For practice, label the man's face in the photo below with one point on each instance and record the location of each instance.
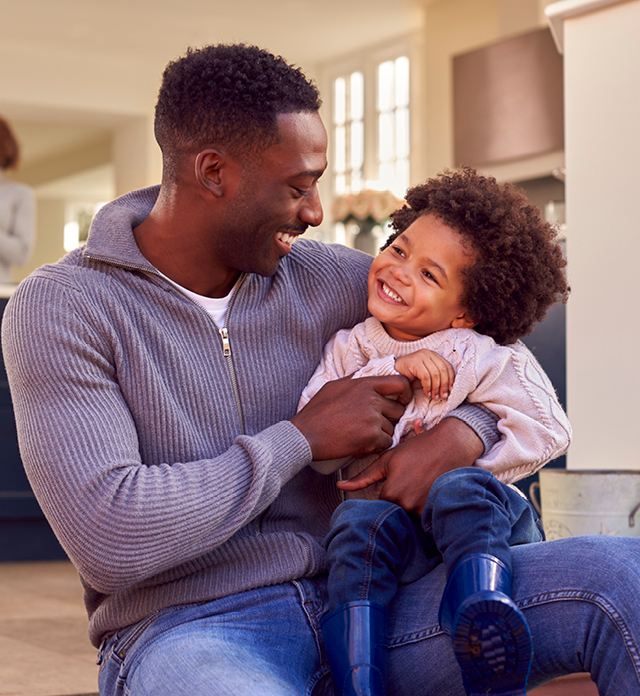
(277, 197)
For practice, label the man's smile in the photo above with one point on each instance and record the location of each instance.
(287, 237)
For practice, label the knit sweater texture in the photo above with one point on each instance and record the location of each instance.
(167, 466)
(506, 379)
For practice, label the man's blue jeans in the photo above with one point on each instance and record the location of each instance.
(374, 546)
(579, 596)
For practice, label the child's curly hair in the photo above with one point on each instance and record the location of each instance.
(518, 272)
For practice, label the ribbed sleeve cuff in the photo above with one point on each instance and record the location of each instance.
(482, 420)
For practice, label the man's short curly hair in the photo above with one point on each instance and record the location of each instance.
(9, 150)
(229, 94)
(518, 271)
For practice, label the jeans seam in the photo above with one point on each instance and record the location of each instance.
(539, 600)
(312, 609)
(601, 603)
(415, 637)
(373, 530)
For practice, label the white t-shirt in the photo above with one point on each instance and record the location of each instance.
(215, 306)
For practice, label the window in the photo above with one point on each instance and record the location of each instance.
(348, 133)
(78, 220)
(393, 125)
(369, 102)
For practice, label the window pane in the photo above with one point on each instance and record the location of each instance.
(340, 101)
(387, 176)
(339, 163)
(357, 145)
(357, 96)
(402, 133)
(386, 140)
(402, 81)
(385, 86)
(401, 178)
(340, 233)
(357, 181)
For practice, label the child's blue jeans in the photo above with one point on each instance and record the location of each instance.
(374, 545)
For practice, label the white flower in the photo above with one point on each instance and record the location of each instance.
(368, 203)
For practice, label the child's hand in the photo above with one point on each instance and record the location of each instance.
(434, 372)
(374, 473)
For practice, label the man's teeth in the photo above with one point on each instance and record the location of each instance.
(286, 238)
(389, 292)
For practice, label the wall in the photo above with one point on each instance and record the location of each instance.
(452, 27)
(602, 112)
(48, 249)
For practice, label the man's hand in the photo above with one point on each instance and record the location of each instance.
(435, 374)
(353, 417)
(409, 470)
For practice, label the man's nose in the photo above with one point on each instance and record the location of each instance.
(311, 211)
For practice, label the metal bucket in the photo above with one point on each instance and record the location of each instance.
(573, 503)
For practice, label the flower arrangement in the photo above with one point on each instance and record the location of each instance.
(369, 204)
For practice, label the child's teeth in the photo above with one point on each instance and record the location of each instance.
(388, 291)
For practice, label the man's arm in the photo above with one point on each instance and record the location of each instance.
(122, 507)
(410, 469)
(353, 417)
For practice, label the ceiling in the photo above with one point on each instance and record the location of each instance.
(144, 30)
(134, 39)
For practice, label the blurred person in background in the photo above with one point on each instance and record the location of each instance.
(17, 209)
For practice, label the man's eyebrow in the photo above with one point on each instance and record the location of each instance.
(313, 173)
(430, 262)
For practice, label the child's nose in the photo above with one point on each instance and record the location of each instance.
(400, 273)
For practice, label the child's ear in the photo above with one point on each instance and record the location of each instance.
(464, 321)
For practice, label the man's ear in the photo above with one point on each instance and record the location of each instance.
(463, 321)
(209, 170)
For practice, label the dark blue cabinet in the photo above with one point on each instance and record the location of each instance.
(24, 532)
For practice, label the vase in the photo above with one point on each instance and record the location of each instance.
(365, 240)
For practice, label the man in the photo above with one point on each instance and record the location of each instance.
(155, 376)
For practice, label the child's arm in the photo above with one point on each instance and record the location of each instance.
(434, 372)
(533, 425)
(509, 381)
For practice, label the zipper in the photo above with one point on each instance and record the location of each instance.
(224, 332)
(226, 352)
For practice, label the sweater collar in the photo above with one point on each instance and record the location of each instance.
(111, 234)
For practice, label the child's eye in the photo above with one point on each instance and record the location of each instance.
(398, 250)
(428, 275)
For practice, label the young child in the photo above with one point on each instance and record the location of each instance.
(470, 269)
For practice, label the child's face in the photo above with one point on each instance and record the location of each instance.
(415, 284)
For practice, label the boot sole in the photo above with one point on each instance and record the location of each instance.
(492, 644)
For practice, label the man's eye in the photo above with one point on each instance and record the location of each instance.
(301, 192)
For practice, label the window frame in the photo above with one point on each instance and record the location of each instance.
(367, 61)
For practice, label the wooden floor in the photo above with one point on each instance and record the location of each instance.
(571, 685)
(44, 649)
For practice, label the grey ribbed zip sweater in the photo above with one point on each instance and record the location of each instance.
(129, 419)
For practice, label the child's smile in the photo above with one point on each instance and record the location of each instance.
(415, 284)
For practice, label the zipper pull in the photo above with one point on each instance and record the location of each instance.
(226, 346)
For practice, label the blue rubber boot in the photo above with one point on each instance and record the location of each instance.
(490, 636)
(355, 637)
